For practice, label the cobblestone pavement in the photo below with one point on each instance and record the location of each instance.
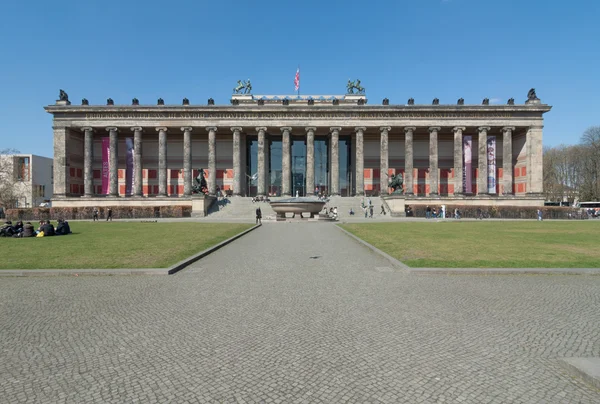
(296, 313)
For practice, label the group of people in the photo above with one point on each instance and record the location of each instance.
(261, 198)
(96, 214)
(45, 229)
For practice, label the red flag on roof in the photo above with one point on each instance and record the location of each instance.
(297, 80)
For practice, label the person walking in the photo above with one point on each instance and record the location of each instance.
(479, 214)
(258, 216)
(539, 214)
(382, 210)
(428, 212)
(95, 214)
(371, 211)
(109, 215)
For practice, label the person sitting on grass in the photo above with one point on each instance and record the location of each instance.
(63, 228)
(7, 229)
(28, 230)
(48, 229)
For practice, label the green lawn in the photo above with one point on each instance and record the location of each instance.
(115, 245)
(487, 244)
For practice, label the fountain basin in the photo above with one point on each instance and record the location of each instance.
(297, 206)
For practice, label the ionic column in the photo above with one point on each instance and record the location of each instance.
(162, 161)
(384, 160)
(137, 161)
(187, 160)
(113, 161)
(360, 161)
(458, 160)
(433, 161)
(335, 161)
(88, 174)
(262, 157)
(408, 160)
(237, 161)
(482, 162)
(535, 163)
(212, 160)
(310, 160)
(507, 166)
(286, 165)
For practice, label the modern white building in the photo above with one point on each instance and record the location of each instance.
(26, 180)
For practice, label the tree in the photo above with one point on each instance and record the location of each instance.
(590, 158)
(562, 172)
(10, 191)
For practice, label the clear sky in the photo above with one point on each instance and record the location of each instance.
(198, 49)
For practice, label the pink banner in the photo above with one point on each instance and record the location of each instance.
(105, 164)
(467, 170)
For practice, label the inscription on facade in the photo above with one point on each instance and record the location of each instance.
(292, 115)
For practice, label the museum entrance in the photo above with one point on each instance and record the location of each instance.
(298, 166)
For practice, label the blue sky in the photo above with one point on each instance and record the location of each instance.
(199, 49)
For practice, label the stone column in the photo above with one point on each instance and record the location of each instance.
(212, 160)
(384, 161)
(187, 161)
(535, 163)
(88, 174)
(335, 161)
(137, 161)
(408, 160)
(433, 161)
(458, 160)
(286, 167)
(482, 162)
(262, 180)
(113, 161)
(310, 160)
(237, 161)
(507, 166)
(360, 161)
(162, 161)
(61, 162)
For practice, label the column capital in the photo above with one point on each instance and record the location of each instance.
(360, 129)
(508, 129)
(186, 129)
(161, 129)
(285, 129)
(434, 129)
(536, 127)
(385, 129)
(458, 129)
(87, 129)
(335, 129)
(236, 129)
(211, 128)
(261, 128)
(112, 129)
(483, 128)
(409, 129)
(310, 129)
(136, 129)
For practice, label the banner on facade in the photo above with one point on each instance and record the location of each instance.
(467, 170)
(105, 164)
(491, 157)
(129, 166)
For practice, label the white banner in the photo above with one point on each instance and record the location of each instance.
(467, 168)
(491, 157)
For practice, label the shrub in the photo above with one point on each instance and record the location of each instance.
(503, 212)
(86, 212)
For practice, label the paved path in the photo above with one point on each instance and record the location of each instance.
(296, 313)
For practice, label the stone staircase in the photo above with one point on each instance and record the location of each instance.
(239, 207)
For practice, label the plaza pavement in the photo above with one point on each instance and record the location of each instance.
(297, 313)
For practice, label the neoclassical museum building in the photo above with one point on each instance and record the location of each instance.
(297, 145)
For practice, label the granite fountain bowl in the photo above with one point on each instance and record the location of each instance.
(299, 205)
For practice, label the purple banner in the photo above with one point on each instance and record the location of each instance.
(105, 164)
(467, 170)
(491, 157)
(129, 166)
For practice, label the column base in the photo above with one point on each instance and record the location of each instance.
(434, 194)
(161, 195)
(113, 195)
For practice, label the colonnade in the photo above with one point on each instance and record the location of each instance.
(309, 132)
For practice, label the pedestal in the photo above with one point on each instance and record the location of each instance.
(397, 204)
